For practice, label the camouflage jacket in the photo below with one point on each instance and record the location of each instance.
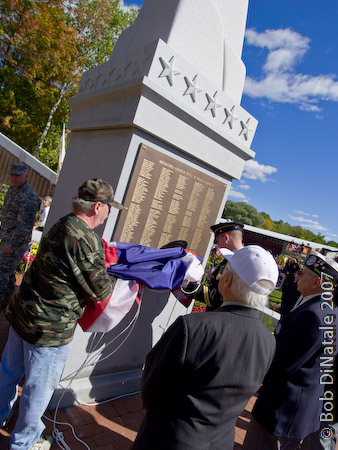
(18, 215)
(68, 271)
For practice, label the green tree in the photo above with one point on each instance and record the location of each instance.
(37, 50)
(268, 222)
(44, 48)
(332, 243)
(242, 212)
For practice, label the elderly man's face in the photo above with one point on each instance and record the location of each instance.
(103, 213)
(307, 282)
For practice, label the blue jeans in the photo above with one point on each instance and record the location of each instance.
(42, 368)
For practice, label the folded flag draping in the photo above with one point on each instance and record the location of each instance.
(134, 265)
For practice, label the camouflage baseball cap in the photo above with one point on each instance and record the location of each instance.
(97, 190)
(18, 168)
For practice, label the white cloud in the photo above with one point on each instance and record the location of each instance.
(305, 214)
(302, 219)
(308, 223)
(279, 82)
(125, 7)
(238, 195)
(253, 170)
(331, 235)
(317, 227)
(246, 187)
(275, 39)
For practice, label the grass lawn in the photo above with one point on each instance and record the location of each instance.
(276, 296)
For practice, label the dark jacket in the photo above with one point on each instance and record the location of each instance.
(288, 403)
(199, 377)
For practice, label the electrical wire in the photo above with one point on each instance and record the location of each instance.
(90, 360)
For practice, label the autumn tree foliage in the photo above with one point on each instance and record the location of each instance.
(45, 46)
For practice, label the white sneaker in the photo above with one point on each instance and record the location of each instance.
(43, 443)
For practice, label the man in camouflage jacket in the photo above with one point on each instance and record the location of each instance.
(18, 215)
(68, 271)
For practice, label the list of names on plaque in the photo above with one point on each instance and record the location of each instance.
(168, 200)
(138, 197)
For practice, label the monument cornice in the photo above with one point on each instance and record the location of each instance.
(115, 91)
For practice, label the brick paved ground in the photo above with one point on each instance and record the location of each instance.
(109, 426)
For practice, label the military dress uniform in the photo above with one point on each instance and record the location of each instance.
(288, 408)
(18, 215)
(209, 294)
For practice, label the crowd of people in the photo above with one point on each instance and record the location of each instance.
(199, 376)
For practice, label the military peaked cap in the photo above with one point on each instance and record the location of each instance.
(226, 226)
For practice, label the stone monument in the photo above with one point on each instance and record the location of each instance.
(162, 122)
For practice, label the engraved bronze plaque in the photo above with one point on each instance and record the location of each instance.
(168, 200)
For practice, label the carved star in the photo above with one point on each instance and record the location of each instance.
(89, 84)
(245, 129)
(119, 73)
(192, 88)
(212, 104)
(110, 73)
(230, 116)
(168, 70)
(137, 68)
(138, 65)
(101, 80)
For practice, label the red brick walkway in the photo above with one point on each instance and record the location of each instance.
(109, 426)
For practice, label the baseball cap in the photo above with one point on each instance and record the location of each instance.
(320, 264)
(225, 251)
(97, 190)
(18, 168)
(252, 264)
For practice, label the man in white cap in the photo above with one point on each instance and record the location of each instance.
(200, 375)
(290, 405)
(18, 215)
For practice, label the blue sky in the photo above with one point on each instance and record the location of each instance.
(291, 56)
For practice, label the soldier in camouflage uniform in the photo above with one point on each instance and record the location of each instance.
(228, 236)
(18, 215)
(68, 271)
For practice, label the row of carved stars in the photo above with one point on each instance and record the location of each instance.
(192, 89)
(168, 72)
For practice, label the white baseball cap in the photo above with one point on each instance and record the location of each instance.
(252, 263)
(225, 251)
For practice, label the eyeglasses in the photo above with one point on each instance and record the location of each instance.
(109, 206)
